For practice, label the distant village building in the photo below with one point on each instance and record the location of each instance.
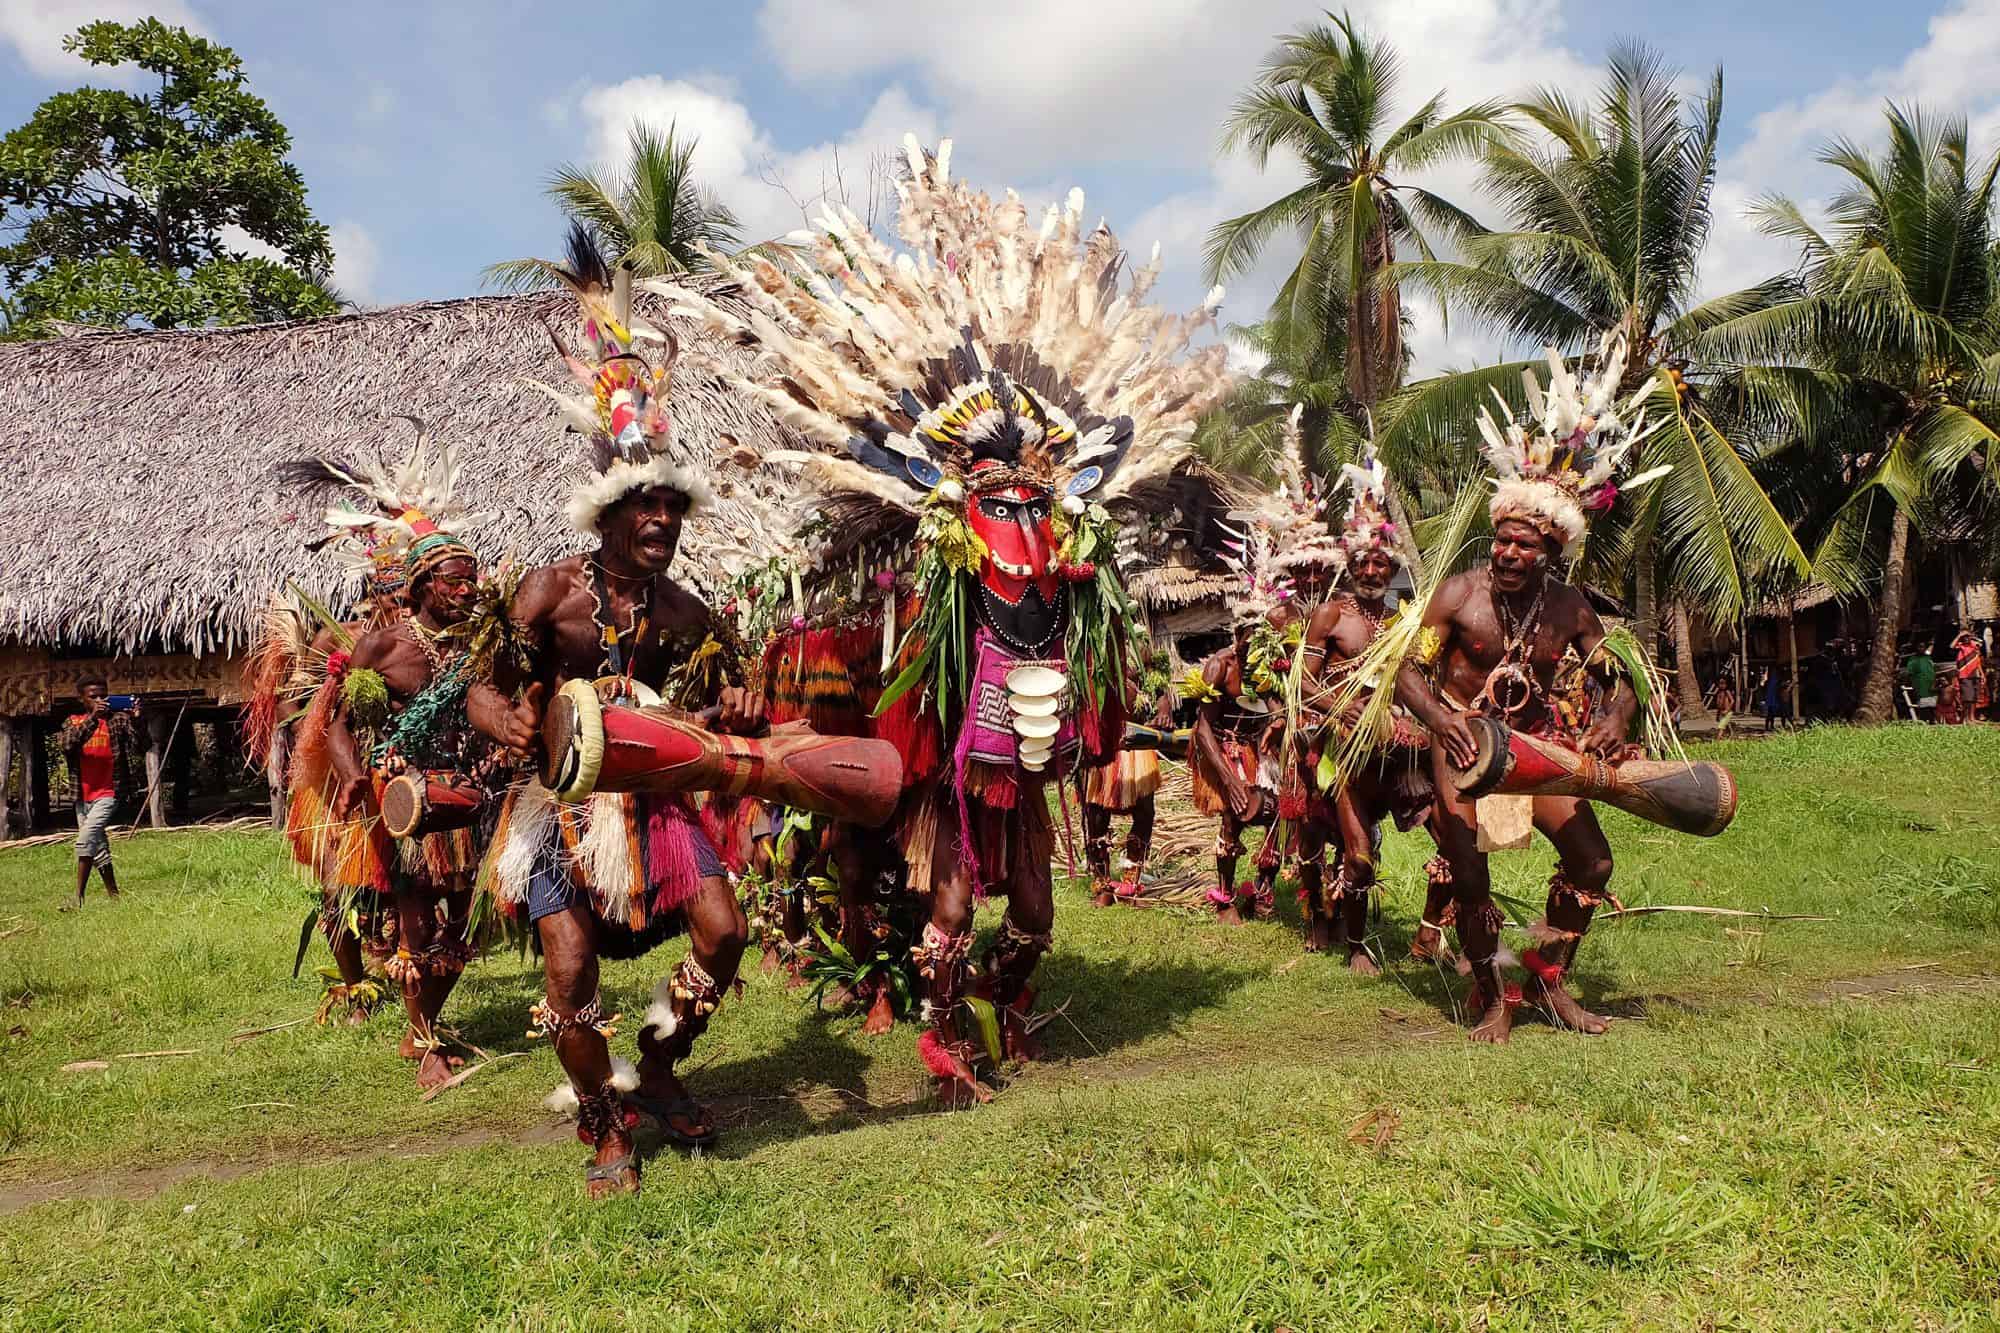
(146, 531)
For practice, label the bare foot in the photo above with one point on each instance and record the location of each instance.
(769, 964)
(409, 1050)
(881, 1016)
(357, 1017)
(1319, 934)
(437, 1067)
(615, 1145)
(1103, 897)
(1563, 1007)
(1231, 915)
(1429, 946)
(1361, 965)
(1017, 1043)
(1495, 1025)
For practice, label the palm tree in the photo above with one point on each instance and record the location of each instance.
(1609, 213)
(652, 216)
(1325, 96)
(1887, 360)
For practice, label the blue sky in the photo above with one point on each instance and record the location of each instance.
(425, 130)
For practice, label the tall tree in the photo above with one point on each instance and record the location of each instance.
(122, 208)
(1609, 211)
(1888, 358)
(651, 215)
(1326, 97)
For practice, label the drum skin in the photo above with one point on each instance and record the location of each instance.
(1690, 796)
(593, 746)
(415, 804)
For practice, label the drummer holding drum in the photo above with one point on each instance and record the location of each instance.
(1489, 647)
(401, 719)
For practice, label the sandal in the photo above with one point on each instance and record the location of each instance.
(612, 1169)
(662, 1113)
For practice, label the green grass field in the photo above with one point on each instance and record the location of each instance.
(1792, 1124)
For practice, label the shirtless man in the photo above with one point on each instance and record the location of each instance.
(1233, 755)
(415, 661)
(1338, 634)
(614, 612)
(1503, 630)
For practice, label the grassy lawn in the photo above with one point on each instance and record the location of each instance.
(1792, 1124)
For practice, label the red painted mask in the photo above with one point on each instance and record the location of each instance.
(1021, 593)
(1014, 522)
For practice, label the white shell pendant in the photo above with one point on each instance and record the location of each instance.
(1034, 695)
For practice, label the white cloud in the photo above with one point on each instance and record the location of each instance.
(1471, 49)
(1950, 72)
(356, 261)
(247, 245)
(770, 189)
(36, 28)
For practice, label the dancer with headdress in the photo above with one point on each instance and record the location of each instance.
(968, 405)
(1243, 756)
(398, 704)
(1491, 641)
(297, 682)
(1395, 781)
(618, 873)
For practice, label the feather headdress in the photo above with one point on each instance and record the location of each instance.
(1261, 586)
(412, 519)
(1556, 467)
(624, 413)
(1294, 516)
(1367, 526)
(985, 353)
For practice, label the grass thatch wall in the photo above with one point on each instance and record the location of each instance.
(139, 506)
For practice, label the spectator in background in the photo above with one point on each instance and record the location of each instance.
(98, 743)
(1723, 702)
(1774, 699)
(1920, 679)
(1971, 675)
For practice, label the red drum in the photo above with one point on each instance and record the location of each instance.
(593, 746)
(1689, 796)
(415, 804)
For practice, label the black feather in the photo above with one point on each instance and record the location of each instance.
(587, 266)
(871, 453)
(307, 472)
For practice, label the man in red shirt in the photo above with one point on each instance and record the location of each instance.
(98, 745)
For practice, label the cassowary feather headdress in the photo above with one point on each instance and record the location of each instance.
(985, 354)
(632, 445)
(1556, 467)
(412, 520)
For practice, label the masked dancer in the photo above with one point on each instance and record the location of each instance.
(969, 405)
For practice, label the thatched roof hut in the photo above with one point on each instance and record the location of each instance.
(144, 525)
(143, 513)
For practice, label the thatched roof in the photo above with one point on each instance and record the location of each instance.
(1805, 599)
(141, 507)
(1169, 587)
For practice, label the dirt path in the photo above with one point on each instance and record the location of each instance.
(837, 1109)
